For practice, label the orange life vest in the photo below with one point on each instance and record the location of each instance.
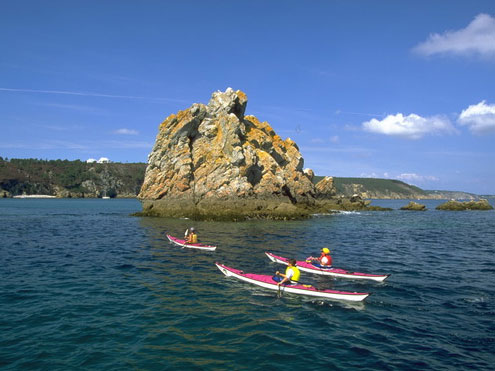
(325, 259)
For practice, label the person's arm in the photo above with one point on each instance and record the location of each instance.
(285, 278)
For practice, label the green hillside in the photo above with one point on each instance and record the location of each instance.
(376, 185)
(65, 178)
(389, 189)
(375, 188)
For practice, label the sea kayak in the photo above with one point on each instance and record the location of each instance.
(300, 289)
(183, 243)
(336, 272)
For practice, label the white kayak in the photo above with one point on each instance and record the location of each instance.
(336, 272)
(300, 289)
(183, 243)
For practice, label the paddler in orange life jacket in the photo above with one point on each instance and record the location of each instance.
(325, 260)
(191, 236)
(291, 275)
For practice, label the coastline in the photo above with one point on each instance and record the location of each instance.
(34, 196)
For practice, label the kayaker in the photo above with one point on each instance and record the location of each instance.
(291, 275)
(325, 260)
(191, 236)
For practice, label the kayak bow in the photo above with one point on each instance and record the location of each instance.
(300, 289)
(336, 272)
(183, 243)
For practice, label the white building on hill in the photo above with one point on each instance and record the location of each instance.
(102, 160)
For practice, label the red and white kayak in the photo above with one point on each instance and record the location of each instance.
(336, 272)
(183, 243)
(300, 289)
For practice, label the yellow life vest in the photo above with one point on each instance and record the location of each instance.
(194, 238)
(295, 273)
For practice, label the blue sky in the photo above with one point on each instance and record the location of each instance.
(390, 89)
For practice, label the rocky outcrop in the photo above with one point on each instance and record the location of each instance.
(212, 161)
(325, 188)
(414, 206)
(454, 205)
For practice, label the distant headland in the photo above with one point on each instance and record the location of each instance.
(69, 179)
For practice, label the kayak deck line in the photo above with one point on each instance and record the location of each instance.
(183, 243)
(300, 289)
(335, 272)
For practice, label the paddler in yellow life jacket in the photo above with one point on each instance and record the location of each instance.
(191, 236)
(291, 275)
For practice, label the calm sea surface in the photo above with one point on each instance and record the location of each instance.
(84, 285)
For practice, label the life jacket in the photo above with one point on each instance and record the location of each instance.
(193, 238)
(325, 259)
(295, 273)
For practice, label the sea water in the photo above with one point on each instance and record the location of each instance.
(85, 285)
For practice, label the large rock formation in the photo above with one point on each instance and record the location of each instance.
(211, 161)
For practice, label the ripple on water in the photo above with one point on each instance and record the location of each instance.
(86, 286)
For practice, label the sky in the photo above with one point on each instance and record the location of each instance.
(387, 89)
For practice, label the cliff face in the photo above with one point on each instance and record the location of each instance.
(214, 159)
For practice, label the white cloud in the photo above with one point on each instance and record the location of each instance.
(478, 38)
(480, 118)
(86, 94)
(125, 131)
(410, 127)
(370, 175)
(334, 139)
(405, 177)
(411, 177)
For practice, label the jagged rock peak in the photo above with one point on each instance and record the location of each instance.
(213, 152)
(228, 102)
(309, 173)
